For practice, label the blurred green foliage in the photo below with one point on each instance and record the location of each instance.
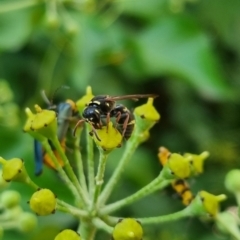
(186, 51)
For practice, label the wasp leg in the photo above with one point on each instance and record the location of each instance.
(93, 131)
(125, 125)
(108, 120)
(118, 117)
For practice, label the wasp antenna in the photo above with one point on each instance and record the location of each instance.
(77, 125)
(45, 98)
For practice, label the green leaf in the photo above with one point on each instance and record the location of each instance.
(15, 29)
(177, 47)
(147, 9)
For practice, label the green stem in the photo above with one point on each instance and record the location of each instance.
(232, 229)
(90, 161)
(59, 168)
(132, 144)
(100, 224)
(79, 162)
(32, 184)
(17, 5)
(100, 174)
(69, 170)
(237, 195)
(87, 230)
(186, 212)
(156, 184)
(65, 207)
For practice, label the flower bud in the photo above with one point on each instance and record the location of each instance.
(228, 220)
(27, 222)
(3, 183)
(177, 167)
(28, 126)
(82, 102)
(128, 229)
(14, 170)
(43, 202)
(232, 181)
(68, 234)
(45, 123)
(206, 204)
(110, 137)
(197, 161)
(10, 198)
(146, 116)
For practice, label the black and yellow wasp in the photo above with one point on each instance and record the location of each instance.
(103, 107)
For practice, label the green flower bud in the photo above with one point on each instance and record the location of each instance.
(67, 234)
(10, 198)
(14, 170)
(206, 204)
(110, 137)
(3, 183)
(146, 116)
(28, 126)
(232, 181)
(27, 222)
(43, 202)
(228, 221)
(197, 161)
(128, 229)
(82, 102)
(177, 167)
(45, 123)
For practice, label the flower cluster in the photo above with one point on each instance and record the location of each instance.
(106, 129)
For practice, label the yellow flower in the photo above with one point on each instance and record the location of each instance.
(148, 111)
(197, 161)
(13, 170)
(206, 203)
(41, 125)
(177, 167)
(109, 137)
(43, 202)
(146, 116)
(82, 102)
(68, 234)
(128, 229)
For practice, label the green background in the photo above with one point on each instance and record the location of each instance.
(186, 51)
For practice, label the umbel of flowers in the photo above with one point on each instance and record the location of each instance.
(90, 189)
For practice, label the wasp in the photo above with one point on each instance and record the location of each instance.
(103, 107)
(66, 112)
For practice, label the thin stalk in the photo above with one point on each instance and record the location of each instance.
(232, 229)
(186, 212)
(65, 207)
(87, 230)
(156, 184)
(100, 174)
(100, 224)
(7, 6)
(69, 170)
(32, 184)
(132, 144)
(79, 162)
(90, 161)
(237, 195)
(59, 168)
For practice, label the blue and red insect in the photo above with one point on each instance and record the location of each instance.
(66, 112)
